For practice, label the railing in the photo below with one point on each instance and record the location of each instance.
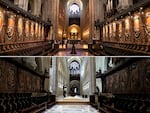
(20, 31)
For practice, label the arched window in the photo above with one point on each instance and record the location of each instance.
(74, 9)
(74, 68)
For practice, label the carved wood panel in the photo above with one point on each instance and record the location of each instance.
(16, 79)
(2, 23)
(132, 79)
(10, 70)
(2, 76)
(21, 80)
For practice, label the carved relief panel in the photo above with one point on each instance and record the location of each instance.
(120, 30)
(3, 77)
(29, 82)
(27, 29)
(32, 31)
(114, 30)
(104, 34)
(39, 33)
(146, 20)
(128, 29)
(42, 38)
(110, 31)
(20, 29)
(11, 76)
(2, 18)
(36, 30)
(146, 75)
(33, 84)
(132, 79)
(10, 32)
(21, 80)
(15, 79)
(137, 27)
(135, 78)
(115, 83)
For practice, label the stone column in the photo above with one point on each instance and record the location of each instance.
(92, 77)
(101, 8)
(16, 2)
(19, 3)
(55, 17)
(47, 73)
(124, 4)
(25, 4)
(91, 18)
(37, 7)
(54, 75)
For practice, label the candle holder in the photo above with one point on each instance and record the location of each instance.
(73, 50)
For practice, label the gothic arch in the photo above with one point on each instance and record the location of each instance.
(78, 2)
(74, 85)
(73, 59)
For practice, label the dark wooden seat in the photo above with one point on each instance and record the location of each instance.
(102, 110)
(25, 103)
(122, 103)
(114, 110)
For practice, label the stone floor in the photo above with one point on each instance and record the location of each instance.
(81, 50)
(71, 104)
(68, 53)
(70, 99)
(72, 109)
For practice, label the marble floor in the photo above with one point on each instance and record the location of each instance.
(71, 99)
(77, 46)
(72, 109)
(68, 53)
(81, 50)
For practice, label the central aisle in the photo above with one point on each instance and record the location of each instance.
(71, 99)
(81, 50)
(72, 109)
(72, 104)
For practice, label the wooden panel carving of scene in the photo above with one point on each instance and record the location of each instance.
(14, 79)
(132, 79)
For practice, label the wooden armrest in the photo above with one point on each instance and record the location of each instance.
(112, 108)
(30, 108)
(42, 104)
